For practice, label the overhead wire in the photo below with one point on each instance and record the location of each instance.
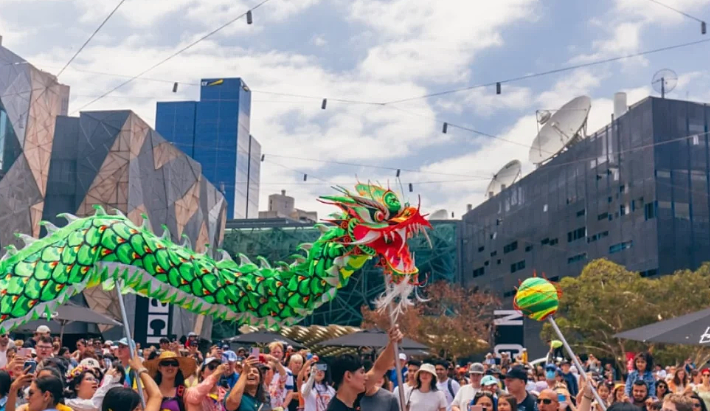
(548, 72)
(91, 37)
(677, 11)
(177, 53)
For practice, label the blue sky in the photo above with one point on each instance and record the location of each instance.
(371, 50)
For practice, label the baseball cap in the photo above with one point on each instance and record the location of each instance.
(108, 342)
(90, 363)
(43, 329)
(124, 341)
(225, 346)
(550, 367)
(403, 356)
(489, 380)
(517, 373)
(191, 334)
(476, 368)
(209, 360)
(230, 355)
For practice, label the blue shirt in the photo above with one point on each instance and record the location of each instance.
(393, 376)
(230, 380)
(646, 377)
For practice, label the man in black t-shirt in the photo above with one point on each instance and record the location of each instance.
(515, 381)
(350, 380)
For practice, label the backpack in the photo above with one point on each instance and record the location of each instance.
(451, 388)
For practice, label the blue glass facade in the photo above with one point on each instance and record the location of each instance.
(215, 132)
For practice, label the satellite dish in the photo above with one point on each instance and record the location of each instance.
(543, 116)
(439, 215)
(664, 81)
(504, 178)
(567, 126)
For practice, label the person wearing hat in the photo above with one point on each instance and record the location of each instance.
(169, 371)
(468, 391)
(41, 331)
(426, 396)
(515, 381)
(490, 384)
(402, 369)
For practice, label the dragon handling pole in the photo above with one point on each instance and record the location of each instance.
(131, 344)
(571, 354)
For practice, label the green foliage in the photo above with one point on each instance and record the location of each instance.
(607, 299)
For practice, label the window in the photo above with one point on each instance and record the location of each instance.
(622, 188)
(481, 248)
(608, 199)
(602, 216)
(649, 273)
(528, 248)
(581, 212)
(622, 210)
(663, 174)
(498, 262)
(479, 272)
(576, 234)
(545, 241)
(517, 266)
(486, 263)
(554, 241)
(510, 247)
(575, 258)
(649, 210)
(620, 247)
(597, 236)
(494, 253)
(544, 208)
(681, 211)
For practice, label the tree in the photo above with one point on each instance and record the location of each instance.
(607, 299)
(453, 321)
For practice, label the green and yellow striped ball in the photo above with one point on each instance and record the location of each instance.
(537, 298)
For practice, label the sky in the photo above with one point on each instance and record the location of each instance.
(370, 52)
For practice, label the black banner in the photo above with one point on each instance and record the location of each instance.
(509, 336)
(154, 320)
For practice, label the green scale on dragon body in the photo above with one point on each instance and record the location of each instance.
(105, 248)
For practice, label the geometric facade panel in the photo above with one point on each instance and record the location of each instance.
(51, 164)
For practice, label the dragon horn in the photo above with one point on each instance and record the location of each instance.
(27, 239)
(166, 233)
(146, 223)
(186, 241)
(119, 213)
(99, 209)
(49, 226)
(68, 216)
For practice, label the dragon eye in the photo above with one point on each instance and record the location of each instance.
(379, 216)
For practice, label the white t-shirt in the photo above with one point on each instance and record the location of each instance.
(444, 387)
(426, 401)
(465, 396)
(319, 398)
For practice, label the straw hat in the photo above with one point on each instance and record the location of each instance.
(186, 364)
(427, 368)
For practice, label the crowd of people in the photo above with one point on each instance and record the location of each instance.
(39, 374)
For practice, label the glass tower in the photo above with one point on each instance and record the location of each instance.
(215, 132)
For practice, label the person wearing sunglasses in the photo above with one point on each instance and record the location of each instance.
(207, 395)
(169, 371)
(703, 389)
(547, 401)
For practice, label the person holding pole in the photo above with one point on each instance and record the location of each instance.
(353, 384)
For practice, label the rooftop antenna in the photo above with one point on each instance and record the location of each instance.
(664, 81)
(504, 178)
(567, 126)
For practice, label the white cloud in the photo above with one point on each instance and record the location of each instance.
(436, 41)
(319, 40)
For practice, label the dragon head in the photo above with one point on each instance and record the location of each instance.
(377, 223)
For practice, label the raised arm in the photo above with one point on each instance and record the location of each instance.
(196, 394)
(306, 389)
(234, 400)
(384, 361)
(150, 388)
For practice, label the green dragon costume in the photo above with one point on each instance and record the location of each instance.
(104, 249)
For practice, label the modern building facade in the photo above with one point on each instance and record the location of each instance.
(278, 239)
(636, 192)
(215, 132)
(53, 164)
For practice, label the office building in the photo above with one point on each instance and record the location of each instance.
(283, 206)
(635, 192)
(215, 132)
